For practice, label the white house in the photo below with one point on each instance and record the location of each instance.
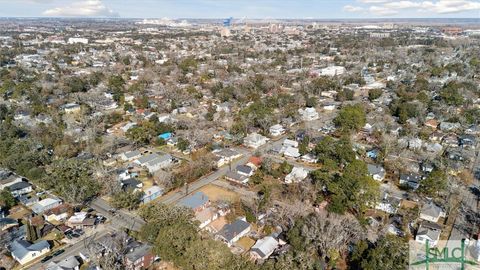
(263, 248)
(45, 204)
(431, 212)
(332, 71)
(276, 130)
(296, 175)
(308, 114)
(155, 162)
(255, 140)
(428, 231)
(130, 155)
(24, 251)
(376, 171)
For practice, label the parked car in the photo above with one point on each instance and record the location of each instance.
(46, 259)
(58, 252)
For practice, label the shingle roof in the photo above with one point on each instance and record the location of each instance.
(194, 201)
(20, 248)
(19, 186)
(230, 231)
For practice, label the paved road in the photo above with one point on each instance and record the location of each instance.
(122, 219)
(469, 203)
(203, 181)
(72, 250)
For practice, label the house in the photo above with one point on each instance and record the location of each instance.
(276, 130)
(59, 213)
(289, 143)
(70, 263)
(131, 184)
(254, 162)
(411, 180)
(245, 170)
(388, 204)
(152, 193)
(376, 171)
(7, 223)
(155, 162)
(236, 178)
(24, 251)
(20, 188)
(45, 204)
(223, 107)
(414, 143)
(71, 108)
(428, 231)
(197, 201)
(128, 126)
(447, 126)
(296, 175)
(263, 248)
(206, 216)
(431, 123)
(309, 158)
(80, 220)
(431, 212)
(254, 140)
(225, 156)
(308, 114)
(8, 178)
(139, 256)
(231, 233)
(373, 154)
(130, 155)
(467, 141)
(292, 152)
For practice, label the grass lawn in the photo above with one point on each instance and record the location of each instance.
(246, 243)
(19, 212)
(216, 193)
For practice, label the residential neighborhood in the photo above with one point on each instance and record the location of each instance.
(234, 143)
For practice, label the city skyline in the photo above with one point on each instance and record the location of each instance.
(287, 9)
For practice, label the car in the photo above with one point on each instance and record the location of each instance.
(69, 236)
(46, 259)
(78, 231)
(75, 235)
(58, 252)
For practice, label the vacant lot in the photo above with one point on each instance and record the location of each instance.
(216, 193)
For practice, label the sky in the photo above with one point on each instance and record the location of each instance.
(250, 9)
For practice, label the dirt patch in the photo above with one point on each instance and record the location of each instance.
(246, 243)
(216, 193)
(218, 224)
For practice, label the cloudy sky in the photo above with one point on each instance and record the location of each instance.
(318, 9)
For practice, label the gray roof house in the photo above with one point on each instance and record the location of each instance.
(231, 233)
(70, 263)
(376, 171)
(196, 201)
(236, 177)
(245, 170)
(130, 155)
(20, 188)
(411, 180)
(24, 251)
(155, 162)
(431, 212)
(264, 247)
(45, 204)
(428, 231)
